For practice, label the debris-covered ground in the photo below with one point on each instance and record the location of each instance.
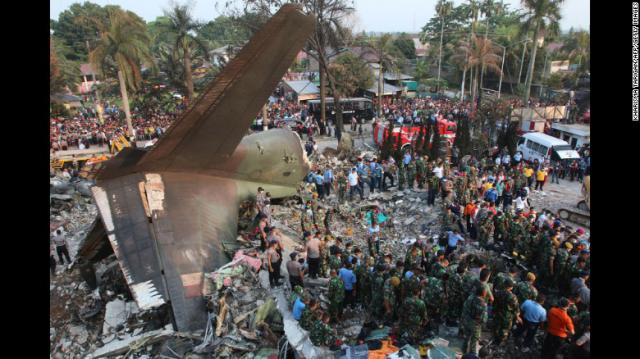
(248, 319)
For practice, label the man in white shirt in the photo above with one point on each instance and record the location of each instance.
(354, 185)
(438, 171)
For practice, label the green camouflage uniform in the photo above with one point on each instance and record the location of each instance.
(342, 188)
(433, 296)
(413, 314)
(474, 315)
(448, 220)
(506, 309)
(546, 255)
(407, 285)
(336, 298)
(335, 262)
(363, 283)
(561, 267)
(307, 222)
(410, 261)
(501, 228)
(485, 232)
(389, 295)
(525, 290)
(411, 173)
(321, 334)
(307, 319)
(324, 262)
(455, 296)
(420, 171)
(401, 175)
(468, 283)
(500, 280)
(377, 294)
(437, 270)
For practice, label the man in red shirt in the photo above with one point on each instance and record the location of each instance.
(559, 325)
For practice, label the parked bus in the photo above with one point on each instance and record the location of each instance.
(542, 147)
(358, 106)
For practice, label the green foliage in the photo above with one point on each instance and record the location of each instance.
(225, 31)
(405, 44)
(350, 73)
(554, 81)
(123, 46)
(508, 136)
(81, 23)
(62, 71)
(58, 109)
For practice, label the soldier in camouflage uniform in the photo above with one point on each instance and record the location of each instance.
(377, 292)
(420, 171)
(434, 188)
(455, 293)
(515, 234)
(474, 315)
(336, 296)
(335, 261)
(506, 310)
(500, 233)
(433, 296)
(342, 187)
(309, 314)
(502, 278)
(408, 282)
(413, 257)
(413, 316)
(389, 296)
(546, 257)
(363, 281)
(321, 333)
(401, 175)
(561, 267)
(448, 220)
(486, 229)
(411, 173)
(525, 289)
(324, 257)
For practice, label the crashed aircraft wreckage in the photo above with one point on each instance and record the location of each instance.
(167, 211)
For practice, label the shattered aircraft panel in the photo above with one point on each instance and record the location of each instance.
(167, 211)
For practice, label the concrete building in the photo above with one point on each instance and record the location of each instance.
(575, 134)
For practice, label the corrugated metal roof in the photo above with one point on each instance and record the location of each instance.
(576, 129)
(303, 87)
(387, 89)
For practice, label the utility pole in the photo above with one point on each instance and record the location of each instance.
(93, 78)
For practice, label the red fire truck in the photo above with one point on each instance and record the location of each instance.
(410, 133)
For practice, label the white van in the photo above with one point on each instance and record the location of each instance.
(537, 145)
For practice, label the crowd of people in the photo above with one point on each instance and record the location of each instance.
(84, 129)
(544, 283)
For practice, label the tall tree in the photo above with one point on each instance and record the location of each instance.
(123, 47)
(443, 9)
(63, 73)
(478, 52)
(388, 57)
(184, 28)
(543, 17)
(325, 42)
(405, 44)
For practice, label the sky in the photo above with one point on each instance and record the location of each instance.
(371, 15)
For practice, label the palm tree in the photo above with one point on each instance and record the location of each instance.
(184, 29)
(543, 17)
(578, 48)
(124, 44)
(443, 9)
(489, 8)
(388, 58)
(479, 52)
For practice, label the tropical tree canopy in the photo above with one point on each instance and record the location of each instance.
(351, 73)
(123, 46)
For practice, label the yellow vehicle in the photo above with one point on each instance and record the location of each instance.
(90, 159)
(119, 142)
